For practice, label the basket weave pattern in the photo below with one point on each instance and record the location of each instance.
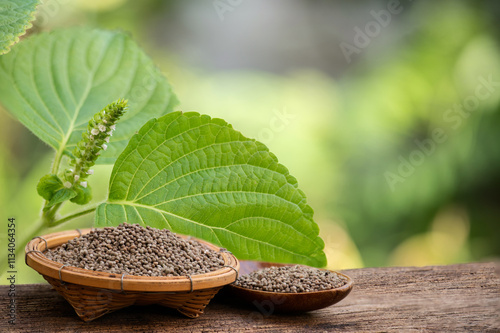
(91, 303)
(94, 294)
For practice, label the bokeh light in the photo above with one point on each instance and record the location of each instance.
(394, 148)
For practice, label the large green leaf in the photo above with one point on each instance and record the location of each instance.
(198, 176)
(15, 19)
(55, 82)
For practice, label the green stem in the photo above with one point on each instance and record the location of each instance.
(57, 161)
(49, 215)
(52, 212)
(74, 215)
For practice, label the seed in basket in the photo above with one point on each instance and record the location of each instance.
(83, 288)
(135, 250)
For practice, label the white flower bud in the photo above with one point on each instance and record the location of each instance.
(102, 128)
(104, 121)
(90, 172)
(84, 184)
(67, 184)
(77, 177)
(94, 131)
(113, 127)
(110, 133)
(106, 139)
(104, 146)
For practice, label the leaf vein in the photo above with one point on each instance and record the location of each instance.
(218, 228)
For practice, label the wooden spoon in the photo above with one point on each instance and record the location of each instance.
(292, 302)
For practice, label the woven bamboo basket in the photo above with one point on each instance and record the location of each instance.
(94, 294)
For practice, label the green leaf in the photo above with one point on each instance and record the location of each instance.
(55, 82)
(48, 186)
(62, 195)
(15, 19)
(198, 176)
(51, 188)
(84, 195)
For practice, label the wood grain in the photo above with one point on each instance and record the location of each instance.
(454, 298)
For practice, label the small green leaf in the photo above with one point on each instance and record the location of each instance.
(48, 186)
(15, 19)
(55, 82)
(61, 195)
(198, 176)
(52, 189)
(83, 196)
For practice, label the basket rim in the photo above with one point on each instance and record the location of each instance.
(36, 259)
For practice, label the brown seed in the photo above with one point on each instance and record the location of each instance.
(291, 279)
(134, 250)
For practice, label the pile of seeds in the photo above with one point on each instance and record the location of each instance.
(291, 279)
(135, 250)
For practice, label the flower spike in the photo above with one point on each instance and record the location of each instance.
(86, 152)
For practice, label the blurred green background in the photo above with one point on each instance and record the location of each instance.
(397, 145)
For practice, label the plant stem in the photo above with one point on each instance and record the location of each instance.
(49, 215)
(57, 161)
(74, 215)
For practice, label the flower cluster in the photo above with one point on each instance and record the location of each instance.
(95, 139)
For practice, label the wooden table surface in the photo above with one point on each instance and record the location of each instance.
(452, 298)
